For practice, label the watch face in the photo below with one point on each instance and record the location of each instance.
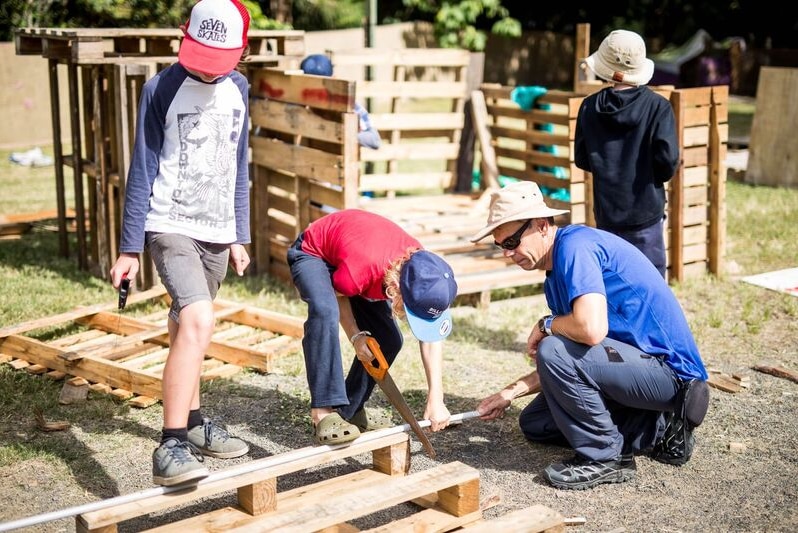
(542, 326)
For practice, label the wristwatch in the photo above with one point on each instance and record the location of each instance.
(544, 324)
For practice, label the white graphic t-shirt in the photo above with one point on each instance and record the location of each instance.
(189, 172)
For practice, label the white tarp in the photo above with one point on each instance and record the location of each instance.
(780, 280)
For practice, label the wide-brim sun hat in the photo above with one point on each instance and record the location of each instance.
(521, 200)
(428, 289)
(621, 58)
(215, 36)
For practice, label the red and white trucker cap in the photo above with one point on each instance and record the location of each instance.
(215, 36)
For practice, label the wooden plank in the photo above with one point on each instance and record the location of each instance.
(417, 121)
(412, 89)
(258, 470)
(29, 218)
(412, 152)
(223, 351)
(300, 160)
(81, 312)
(295, 119)
(89, 368)
(264, 319)
(405, 181)
(773, 145)
(365, 500)
(778, 371)
(717, 183)
(675, 258)
(315, 91)
(532, 519)
(724, 383)
(532, 136)
(488, 167)
(537, 116)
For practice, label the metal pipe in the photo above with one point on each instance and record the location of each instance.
(238, 470)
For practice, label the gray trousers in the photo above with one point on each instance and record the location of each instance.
(602, 401)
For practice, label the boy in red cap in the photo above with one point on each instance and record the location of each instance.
(187, 201)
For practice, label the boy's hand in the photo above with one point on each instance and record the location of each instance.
(239, 258)
(127, 265)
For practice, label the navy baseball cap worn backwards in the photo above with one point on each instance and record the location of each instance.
(428, 290)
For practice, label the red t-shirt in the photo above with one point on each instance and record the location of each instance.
(361, 246)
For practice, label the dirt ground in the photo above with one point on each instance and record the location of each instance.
(753, 489)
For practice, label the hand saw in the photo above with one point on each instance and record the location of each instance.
(380, 374)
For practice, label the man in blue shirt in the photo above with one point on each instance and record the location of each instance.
(616, 357)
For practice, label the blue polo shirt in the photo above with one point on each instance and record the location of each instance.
(642, 310)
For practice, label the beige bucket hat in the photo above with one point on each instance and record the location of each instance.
(621, 58)
(518, 201)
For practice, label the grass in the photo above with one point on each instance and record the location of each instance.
(741, 116)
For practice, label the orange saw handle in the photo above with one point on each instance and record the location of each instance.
(377, 367)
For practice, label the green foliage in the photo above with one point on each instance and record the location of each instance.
(315, 15)
(457, 23)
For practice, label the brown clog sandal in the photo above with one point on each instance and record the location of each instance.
(332, 429)
(368, 419)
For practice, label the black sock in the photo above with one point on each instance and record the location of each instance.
(194, 418)
(180, 434)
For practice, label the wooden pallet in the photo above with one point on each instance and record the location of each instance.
(15, 225)
(124, 354)
(447, 497)
(533, 519)
(330, 503)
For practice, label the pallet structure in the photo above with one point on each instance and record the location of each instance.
(417, 99)
(305, 165)
(124, 355)
(447, 496)
(106, 69)
(536, 144)
(306, 161)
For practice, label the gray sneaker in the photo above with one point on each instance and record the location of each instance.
(212, 439)
(175, 462)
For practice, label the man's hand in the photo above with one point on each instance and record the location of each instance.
(532, 344)
(494, 405)
(239, 258)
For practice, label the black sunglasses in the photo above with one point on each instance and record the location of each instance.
(512, 242)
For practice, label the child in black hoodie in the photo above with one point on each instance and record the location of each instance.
(626, 137)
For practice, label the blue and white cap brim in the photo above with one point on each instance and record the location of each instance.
(430, 330)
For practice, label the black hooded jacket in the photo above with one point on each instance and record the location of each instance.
(627, 139)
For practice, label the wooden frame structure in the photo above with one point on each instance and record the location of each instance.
(695, 224)
(304, 159)
(305, 164)
(419, 146)
(125, 355)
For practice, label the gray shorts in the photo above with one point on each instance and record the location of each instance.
(191, 270)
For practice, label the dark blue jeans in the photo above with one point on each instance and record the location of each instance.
(322, 350)
(601, 400)
(649, 240)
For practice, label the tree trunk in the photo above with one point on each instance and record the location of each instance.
(280, 10)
